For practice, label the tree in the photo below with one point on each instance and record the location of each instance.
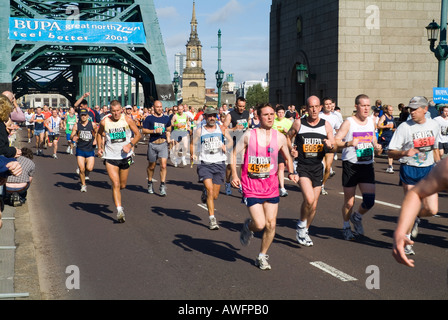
(257, 95)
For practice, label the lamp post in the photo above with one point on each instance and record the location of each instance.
(219, 74)
(441, 51)
(301, 73)
(176, 84)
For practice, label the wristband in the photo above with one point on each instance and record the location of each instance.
(131, 144)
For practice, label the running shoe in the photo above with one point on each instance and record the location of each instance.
(390, 170)
(348, 234)
(357, 224)
(120, 216)
(83, 188)
(414, 232)
(228, 189)
(283, 192)
(162, 190)
(204, 196)
(68, 150)
(246, 234)
(303, 238)
(408, 250)
(55, 156)
(323, 191)
(213, 224)
(150, 188)
(262, 262)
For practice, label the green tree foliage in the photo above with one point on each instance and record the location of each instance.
(257, 95)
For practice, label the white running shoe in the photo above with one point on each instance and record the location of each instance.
(303, 238)
(83, 188)
(213, 224)
(120, 216)
(262, 262)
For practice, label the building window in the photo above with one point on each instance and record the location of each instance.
(193, 84)
(299, 26)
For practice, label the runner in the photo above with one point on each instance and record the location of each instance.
(70, 121)
(84, 135)
(53, 125)
(415, 144)
(387, 127)
(29, 125)
(442, 120)
(314, 139)
(237, 121)
(357, 137)
(259, 180)
(282, 125)
(39, 130)
(117, 150)
(180, 135)
(328, 114)
(208, 147)
(158, 126)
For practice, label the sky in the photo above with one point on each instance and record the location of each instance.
(244, 25)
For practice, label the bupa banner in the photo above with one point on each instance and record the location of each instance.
(74, 31)
(440, 95)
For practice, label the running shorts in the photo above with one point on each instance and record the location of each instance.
(354, 173)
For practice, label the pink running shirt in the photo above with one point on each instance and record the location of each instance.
(259, 177)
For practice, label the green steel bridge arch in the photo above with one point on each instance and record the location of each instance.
(30, 67)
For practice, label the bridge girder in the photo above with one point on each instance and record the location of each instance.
(64, 61)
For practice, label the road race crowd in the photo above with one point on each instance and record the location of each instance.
(251, 149)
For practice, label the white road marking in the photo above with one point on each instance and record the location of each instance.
(380, 202)
(333, 271)
(203, 206)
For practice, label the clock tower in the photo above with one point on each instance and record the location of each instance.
(193, 79)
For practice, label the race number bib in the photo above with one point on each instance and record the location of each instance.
(364, 149)
(423, 140)
(312, 147)
(211, 145)
(259, 167)
(117, 135)
(159, 125)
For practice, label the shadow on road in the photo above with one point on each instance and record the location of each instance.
(218, 249)
(101, 210)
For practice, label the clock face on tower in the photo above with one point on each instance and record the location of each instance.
(193, 64)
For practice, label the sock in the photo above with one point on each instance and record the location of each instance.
(211, 217)
(119, 208)
(301, 224)
(261, 255)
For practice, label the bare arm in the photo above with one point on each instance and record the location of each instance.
(436, 181)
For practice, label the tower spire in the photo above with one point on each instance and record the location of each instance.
(194, 23)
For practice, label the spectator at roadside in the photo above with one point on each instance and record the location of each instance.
(17, 186)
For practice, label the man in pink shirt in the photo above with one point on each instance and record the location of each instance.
(259, 179)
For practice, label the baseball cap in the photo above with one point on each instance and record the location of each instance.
(210, 110)
(128, 107)
(417, 102)
(83, 111)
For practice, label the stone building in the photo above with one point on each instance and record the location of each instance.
(193, 80)
(349, 47)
